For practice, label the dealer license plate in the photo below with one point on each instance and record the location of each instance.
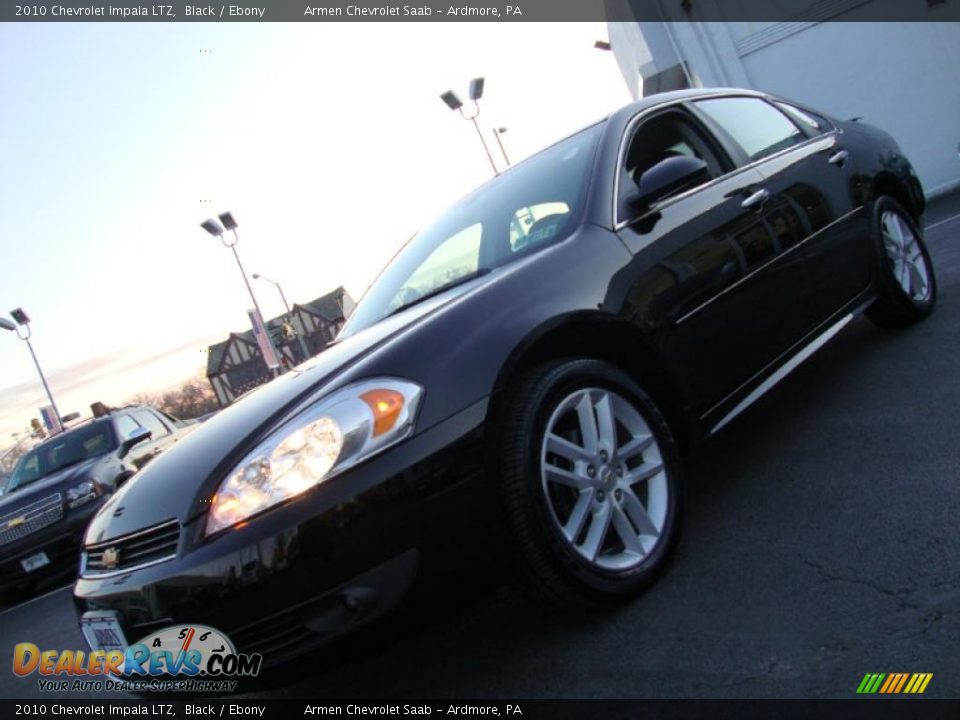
(34, 562)
(102, 630)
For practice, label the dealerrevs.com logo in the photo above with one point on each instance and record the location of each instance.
(187, 658)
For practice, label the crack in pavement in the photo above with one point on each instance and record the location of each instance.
(897, 595)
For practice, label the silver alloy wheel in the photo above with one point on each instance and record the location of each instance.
(907, 261)
(602, 469)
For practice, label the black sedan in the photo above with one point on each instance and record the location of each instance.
(58, 485)
(536, 362)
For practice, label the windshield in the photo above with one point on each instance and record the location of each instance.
(63, 450)
(533, 205)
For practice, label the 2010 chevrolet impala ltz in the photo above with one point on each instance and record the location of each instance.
(538, 360)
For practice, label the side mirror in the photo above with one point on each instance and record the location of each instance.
(136, 437)
(667, 177)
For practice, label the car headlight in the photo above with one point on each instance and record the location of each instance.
(81, 494)
(336, 433)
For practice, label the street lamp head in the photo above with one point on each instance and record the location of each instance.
(228, 222)
(476, 88)
(256, 276)
(451, 99)
(7, 325)
(20, 316)
(212, 227)
(602, 45)
(501, 130)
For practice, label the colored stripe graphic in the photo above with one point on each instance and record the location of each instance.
(894, 683)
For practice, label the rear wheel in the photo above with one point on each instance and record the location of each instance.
(590, 480)
(907, 286)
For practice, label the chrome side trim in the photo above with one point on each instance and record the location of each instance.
(769, 262)
(126, 571)
(783, 371)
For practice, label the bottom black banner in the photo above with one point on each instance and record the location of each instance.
(875, 709)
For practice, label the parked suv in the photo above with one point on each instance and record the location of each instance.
(58, 486)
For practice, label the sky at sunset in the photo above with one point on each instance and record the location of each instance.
(328, 142)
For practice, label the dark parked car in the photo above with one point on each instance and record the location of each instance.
(58, 485)
(536, 360)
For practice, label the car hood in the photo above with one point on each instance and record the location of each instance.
(168, 486)
(59, 481)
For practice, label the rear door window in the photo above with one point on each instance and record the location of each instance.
(755, 125)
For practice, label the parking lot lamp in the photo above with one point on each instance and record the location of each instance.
(22, 328)
(454, 103)
(497, 133)
(215, 229)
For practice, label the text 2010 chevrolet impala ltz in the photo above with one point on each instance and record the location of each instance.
(537, 360)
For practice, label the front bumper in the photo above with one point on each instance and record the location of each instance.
(329, 562)
(60, 542)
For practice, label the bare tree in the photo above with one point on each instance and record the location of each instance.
(9, 457)
(191, 400)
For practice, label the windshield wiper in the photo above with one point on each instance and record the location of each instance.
(441, 289)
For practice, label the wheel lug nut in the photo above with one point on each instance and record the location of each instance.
(603, 455)
(619, 472)
(591, 471)
(618, 495)
(600, 495)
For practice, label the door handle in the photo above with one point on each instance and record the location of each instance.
(839, 158)
(757, 198)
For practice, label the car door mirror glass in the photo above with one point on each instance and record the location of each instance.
(136, 436)
(666, 178)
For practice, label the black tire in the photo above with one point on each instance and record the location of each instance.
(894, 306)
(548, 560)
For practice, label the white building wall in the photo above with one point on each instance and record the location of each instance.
(902, 77)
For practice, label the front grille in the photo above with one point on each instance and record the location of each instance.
(143, 547)
(31, 518)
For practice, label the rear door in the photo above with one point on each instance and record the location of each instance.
(725, 297)
(807, 176)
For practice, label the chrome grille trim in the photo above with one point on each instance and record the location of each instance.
(136, 550)
(36, 516)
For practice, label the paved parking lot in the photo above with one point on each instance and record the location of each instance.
(821, 543)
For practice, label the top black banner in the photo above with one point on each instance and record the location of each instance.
(486, 11)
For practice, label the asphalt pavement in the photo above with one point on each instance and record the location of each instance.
(820, 544)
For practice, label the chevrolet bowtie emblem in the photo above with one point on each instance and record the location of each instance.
(110, 557)
(16, 522)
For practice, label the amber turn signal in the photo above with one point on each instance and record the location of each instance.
(386, 406)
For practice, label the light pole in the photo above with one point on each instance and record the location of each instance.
(497, 132)
(23, 321)
(303, 345)
(454, 103)
(214, 228)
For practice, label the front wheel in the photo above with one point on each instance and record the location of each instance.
(591, 481)
(907, 286)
